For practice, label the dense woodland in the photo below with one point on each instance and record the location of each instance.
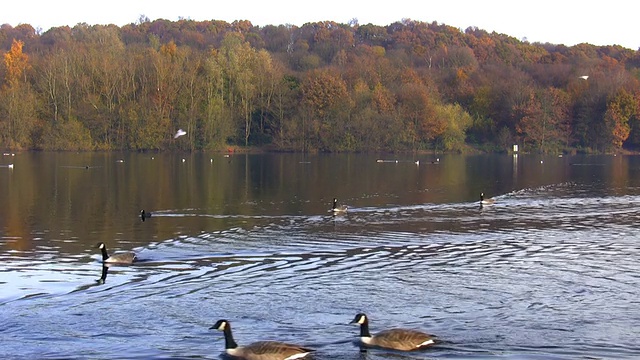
(323, 86)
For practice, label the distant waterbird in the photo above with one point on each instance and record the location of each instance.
(584, 77)
(487, 201)
(335, 209)
(179, 133)
(144, 215)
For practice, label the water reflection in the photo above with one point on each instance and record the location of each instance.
(103, 276)
(101, 281)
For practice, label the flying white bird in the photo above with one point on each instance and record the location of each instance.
(584, 77)
(179, 133)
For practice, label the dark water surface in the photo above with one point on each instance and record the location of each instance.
(551, 271)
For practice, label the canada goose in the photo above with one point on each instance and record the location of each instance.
(489, 201)
(122, 258)
(144, 215)
(338, 209)
(396, 339)
(261, 350)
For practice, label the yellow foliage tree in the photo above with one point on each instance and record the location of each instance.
(16, 63)
(620, 109)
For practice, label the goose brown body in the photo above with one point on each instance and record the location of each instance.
(121, 258)
(342, 209)
(396, 339)
(483, 201)
(261, 350)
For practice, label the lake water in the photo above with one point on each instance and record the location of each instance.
(550, 271)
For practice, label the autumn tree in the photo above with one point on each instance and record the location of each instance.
(325, 96)
(239, 63)
(217, 123)
(416, 107)
(543, 120)
(16, 64)
(269, 73)
(456, 121)
(322, 86)
(621, 109)
(18, 100)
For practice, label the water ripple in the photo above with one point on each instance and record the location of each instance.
(497, 281)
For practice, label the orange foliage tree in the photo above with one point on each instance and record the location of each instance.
(621, 108)
(16, 62)
(325, 96)
(543, 119)
(16, 100)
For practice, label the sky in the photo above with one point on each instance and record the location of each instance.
(611, 22)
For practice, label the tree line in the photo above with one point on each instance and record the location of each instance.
(323, 86)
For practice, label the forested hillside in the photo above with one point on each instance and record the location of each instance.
(320, 87)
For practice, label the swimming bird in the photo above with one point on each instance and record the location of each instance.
(121, 258)
(144, 215)
(396, 339)
(342, 209)
(584, 77)
(489, 201)
(261, 350)
(179, 133)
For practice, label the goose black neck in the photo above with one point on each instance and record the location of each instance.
(335, 204)
(105, 256)
(364, 329)
(229, 343)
